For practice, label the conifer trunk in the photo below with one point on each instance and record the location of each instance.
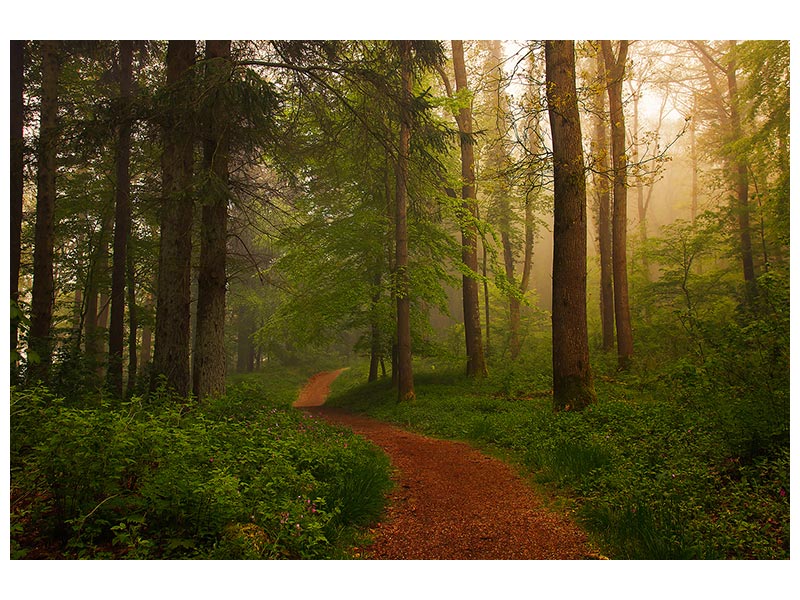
(208, 372)
(245, 327)
(40, 340)
(133, 326)
(16, 179)
(405, 376)
(171, 354)
(122, 225)
(376, 351)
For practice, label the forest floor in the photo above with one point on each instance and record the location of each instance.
(451, 501)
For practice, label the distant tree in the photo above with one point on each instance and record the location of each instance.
(721, 71)
(504, 193)
(476, 363)
(208, 370)
(122, 222)
(40, 334)
(600, 153)
(572, 381)
(765, 100)
(615, 73)
(741, 173)
(405, 375)
(171, 354)
(16, 179)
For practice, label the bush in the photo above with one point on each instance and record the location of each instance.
(165, 480)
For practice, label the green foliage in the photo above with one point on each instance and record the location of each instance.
(241, 477)
(655, 470)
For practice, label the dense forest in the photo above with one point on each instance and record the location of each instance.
(575, 253)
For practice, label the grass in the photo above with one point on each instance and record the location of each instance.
(650, 475)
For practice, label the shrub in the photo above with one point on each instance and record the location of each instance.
(250, 479)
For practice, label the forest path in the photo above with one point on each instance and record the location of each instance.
(450, 500)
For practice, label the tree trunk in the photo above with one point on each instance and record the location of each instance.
(376, 350)
(405, 376)
(693, 155)
(209, 355)
(476, 363)
(122, 224)
(16, 179)
(374, 353)
(245, 327)
(485, 272)
(602, 189)
(740, 178)
(171, 357)
(133, 326)
(615, 71)
(641, 204)
(39, 340)
(572, 381)
(147, 336)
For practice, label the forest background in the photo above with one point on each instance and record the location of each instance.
(655, 200)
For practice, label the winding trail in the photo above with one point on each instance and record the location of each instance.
(451, 501)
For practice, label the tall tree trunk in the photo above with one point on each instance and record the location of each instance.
(39, 340)
(615, 71)
(693, 155)
(209, 355)
(603, 192)
(245, 327)
(103, 302)
(16, 179)
(476, 363)
(640, 204)
(122, 224)
(508, 262)
(171, 356)
(405, 376)
(572, 380)
(147, 336)
(485, 273)
(133, 326)
(376, 350)
(740, 178)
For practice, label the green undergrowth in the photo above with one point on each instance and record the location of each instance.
(650, 471)
(244, 476)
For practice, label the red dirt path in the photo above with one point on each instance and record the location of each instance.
(451, 501)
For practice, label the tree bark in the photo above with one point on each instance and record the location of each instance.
(693, 157)
(171, 355)
(209, 355)
(133, 326)
(405, 376)
(376, 350)
(603, 192)
(740, 178)
(16, 179)
(572, 381)
(122, 224)
(615, 71)
(40, 340)
(245, 327)
(147, 336)
(476, 363)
